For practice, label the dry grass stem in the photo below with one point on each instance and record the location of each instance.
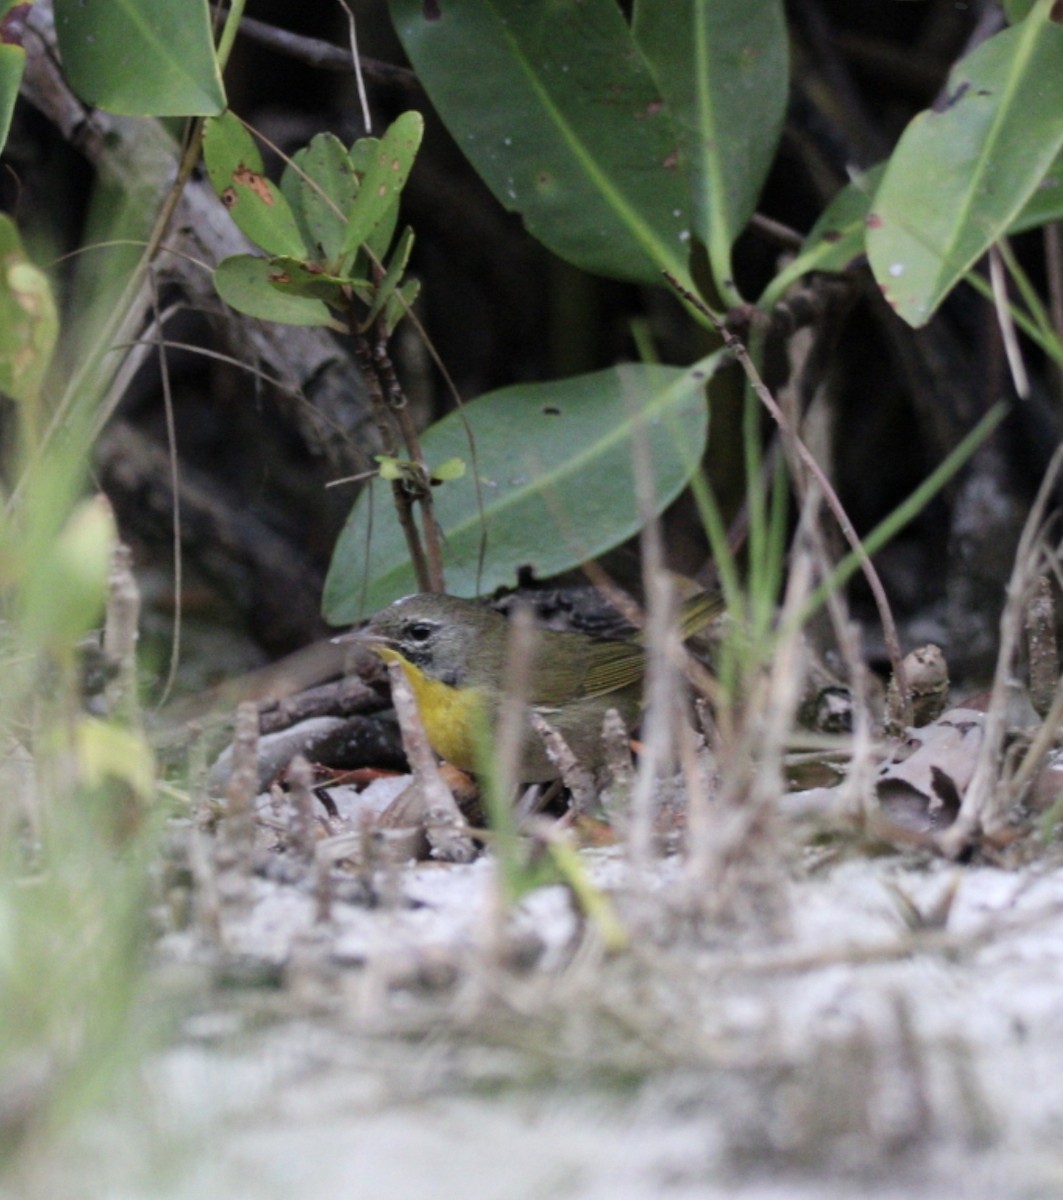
(235, 846)
(445, 826)
(1042, 652)
(574, 775)
(620, 767)
(743, 868)
(1042, 744)
(858, 788)
(984, 807)
(661, 716)
(1013, 352)
(510, 730)
(120, 633)
(301, 795)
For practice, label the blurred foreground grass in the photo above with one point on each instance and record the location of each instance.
(76, 778)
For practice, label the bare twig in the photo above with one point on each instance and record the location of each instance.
(317, 53)
(444, 824)
(576, 777)
(401, 410)
(400, 494)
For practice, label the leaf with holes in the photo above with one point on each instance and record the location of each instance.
(563, 121)
(722, 69)
(960, 177)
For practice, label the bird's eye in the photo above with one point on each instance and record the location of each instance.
(420, 631)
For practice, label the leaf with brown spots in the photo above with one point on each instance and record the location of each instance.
(258, 207)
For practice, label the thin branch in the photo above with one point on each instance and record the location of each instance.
(400, 408)
(175, 486)
(403, 503)
(315, 52)
(791, 438)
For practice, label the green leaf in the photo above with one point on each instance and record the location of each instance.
(722, 68)
(29, 323)
(836, 241)
(243, 280)
(295, 277)
(959, 178)
(554, 463)
(109, 751)
(399, 304)
(376, 244)
(385, 177)
(64, 593)
(556, 109)
(1016, 10)
(255, 203)
(1046, 203)
(13, 14)
(390, 467)
(141, 57)
(453, 468)
(386, 288)
(320, 185)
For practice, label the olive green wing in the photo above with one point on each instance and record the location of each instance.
(577, 668)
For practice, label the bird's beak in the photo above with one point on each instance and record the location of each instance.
(384, 646)
(365, 636)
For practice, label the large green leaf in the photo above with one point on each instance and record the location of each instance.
(959, 177)
(29, 323)
(141, 57)
(255, 203)
(13, 14)
(1046, 203)
(722, 68)
(556, 109)
(555, 465)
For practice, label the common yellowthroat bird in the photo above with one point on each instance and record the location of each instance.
(453, 653)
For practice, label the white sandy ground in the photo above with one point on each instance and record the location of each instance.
(776, 1075)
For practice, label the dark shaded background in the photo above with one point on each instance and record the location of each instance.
(499, 308)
